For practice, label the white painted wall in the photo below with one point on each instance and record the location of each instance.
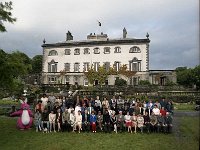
(124, 57)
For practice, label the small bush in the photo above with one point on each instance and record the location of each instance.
(120, 82)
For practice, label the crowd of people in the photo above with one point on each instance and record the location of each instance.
(89, 114)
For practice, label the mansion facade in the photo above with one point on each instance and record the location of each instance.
(65, 62)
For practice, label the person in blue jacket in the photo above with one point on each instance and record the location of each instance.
(93, 119)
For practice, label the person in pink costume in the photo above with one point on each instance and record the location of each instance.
(25, 120)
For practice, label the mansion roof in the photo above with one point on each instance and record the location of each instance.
(108, 41)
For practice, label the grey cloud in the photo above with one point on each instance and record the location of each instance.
(172, 25)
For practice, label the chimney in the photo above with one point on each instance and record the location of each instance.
(69, 36)
(124, 33)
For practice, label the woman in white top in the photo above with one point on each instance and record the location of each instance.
(78, 121)
(72, 120)
(128, 121)
(52, 121)
(77, 108)
(97, 104)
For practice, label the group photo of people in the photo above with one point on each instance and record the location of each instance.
(95, 114)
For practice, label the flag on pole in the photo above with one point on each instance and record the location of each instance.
(99, 23)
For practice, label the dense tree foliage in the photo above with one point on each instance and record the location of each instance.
(120, 82)
(13, 68)
(5, 15)
(101, 75)
(188, 76)
(37, 64)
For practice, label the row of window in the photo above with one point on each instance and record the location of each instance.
(96, 50)
(133, 66)
(76, 80)
(53, 80)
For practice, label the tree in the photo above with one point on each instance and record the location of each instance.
(12, 69)
(5, 15)
(188, 76)
(101, 75)
(37, 64)
(20, 64)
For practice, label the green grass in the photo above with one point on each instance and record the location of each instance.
(13, 139)
(184, 107)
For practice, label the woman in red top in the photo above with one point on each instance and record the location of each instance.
(163, 111)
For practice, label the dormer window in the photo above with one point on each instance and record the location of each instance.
(77, 51)
(96, 50)
(117, 50)
(53, 53)
(106, 50)
(86, 51)
(134, 49)
(67, 51)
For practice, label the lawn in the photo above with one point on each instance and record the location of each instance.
(184, 107)
(13, 139)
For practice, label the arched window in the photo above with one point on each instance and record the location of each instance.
(134, 49)
(77, 51)
(53, 53)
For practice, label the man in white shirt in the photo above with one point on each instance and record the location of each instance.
(156, 111)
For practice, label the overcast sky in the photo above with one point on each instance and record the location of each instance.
(173, 26)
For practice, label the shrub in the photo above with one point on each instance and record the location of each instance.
(120, 82)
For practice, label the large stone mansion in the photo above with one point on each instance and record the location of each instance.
(72, 58)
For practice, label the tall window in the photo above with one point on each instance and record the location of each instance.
(77, 51)
(96, 66)
(117, 50)
(52, 66)
(67, 51)
(67, 67)
(67, 79)
(96, 50)
(134, 49)
(86, 83)
(53, 53)
(107, 66)
(135, 64)
(106, 50)
(85, 66)
(76, 80)
(76, 67)
(86, 51)
(117, 65)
